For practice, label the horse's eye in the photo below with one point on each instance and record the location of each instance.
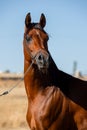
(28, 38)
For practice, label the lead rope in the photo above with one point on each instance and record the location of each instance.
(8, 91)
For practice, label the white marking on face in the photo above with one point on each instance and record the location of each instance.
(39, 36)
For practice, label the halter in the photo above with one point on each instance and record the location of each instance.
(34, 58)
(33, 26)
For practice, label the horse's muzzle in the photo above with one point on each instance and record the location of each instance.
(42, 61)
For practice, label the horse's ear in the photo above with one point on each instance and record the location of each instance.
(42, 20)
(27, 20)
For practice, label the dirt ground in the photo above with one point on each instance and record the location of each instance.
(13, 107)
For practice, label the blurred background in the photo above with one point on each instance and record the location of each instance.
(67, 29)
(66, 26)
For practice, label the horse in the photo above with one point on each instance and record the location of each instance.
(55, 99)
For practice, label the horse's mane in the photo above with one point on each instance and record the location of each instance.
(74, 88)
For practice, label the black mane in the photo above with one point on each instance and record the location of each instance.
(73, 88)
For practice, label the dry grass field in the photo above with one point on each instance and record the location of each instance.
(13, 107)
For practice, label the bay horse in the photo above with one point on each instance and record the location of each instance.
(56, 100)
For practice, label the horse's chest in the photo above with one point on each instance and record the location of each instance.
(31, 117)
(46, 113)
(38, 118)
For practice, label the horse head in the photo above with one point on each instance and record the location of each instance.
(35, 43)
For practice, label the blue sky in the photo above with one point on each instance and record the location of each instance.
(66, 26)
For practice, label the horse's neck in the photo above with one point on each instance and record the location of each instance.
(34, 80)
(28, 80)
(60, 78)
(72, 87)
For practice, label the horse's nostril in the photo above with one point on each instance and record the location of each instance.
(40, 57)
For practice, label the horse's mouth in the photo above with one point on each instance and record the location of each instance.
(43, 68)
